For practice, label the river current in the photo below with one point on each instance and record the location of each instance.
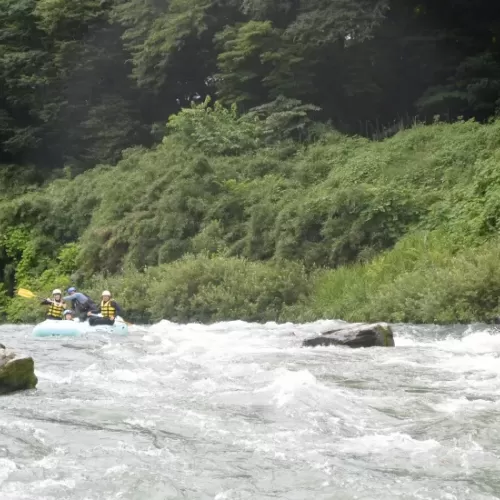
(237, 411)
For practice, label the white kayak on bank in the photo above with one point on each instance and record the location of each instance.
(75, 328)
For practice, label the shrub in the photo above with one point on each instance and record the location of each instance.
(426, 278)
(215, 289)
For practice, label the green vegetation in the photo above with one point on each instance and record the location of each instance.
(426, 278)
(81, 81)
(273, 197)
(263, 227)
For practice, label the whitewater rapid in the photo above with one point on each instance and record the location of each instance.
(237, 411)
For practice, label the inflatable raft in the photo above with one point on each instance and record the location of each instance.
(67, 328)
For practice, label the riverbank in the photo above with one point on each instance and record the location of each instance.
(222, 221)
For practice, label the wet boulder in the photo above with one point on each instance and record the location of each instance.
(16, 373)
(356, 335)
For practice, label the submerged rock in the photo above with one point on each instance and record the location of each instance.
(357, 335)
(16, 374)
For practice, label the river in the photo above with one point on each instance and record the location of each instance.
(237, 411)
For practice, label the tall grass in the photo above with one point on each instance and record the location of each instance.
(426, 278)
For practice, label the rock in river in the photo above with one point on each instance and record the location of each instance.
(16, 373)
(356, 335)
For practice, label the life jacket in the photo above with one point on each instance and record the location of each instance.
(107, 309)
(56, 309)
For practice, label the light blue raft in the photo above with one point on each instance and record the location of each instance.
(67, 328)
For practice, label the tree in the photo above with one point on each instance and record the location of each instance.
(27, 71)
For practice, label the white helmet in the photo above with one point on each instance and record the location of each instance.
(56, 292)
(106, 292)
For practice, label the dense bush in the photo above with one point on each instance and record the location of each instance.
(215, 289)
(202, 288)
(331, 203)
(426, 278)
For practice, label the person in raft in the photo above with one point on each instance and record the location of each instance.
(109, 309)
(80, 303)
(56, 305)
(68, 315)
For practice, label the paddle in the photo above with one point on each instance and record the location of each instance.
(27, 294)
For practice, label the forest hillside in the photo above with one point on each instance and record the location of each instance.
(252, 159)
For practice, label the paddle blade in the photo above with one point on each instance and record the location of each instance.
(27, 294)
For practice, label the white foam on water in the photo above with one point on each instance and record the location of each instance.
(386, 443)
(116, 470)
(6, 467)
(240, 410)
(287, 386)
(463, 404)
